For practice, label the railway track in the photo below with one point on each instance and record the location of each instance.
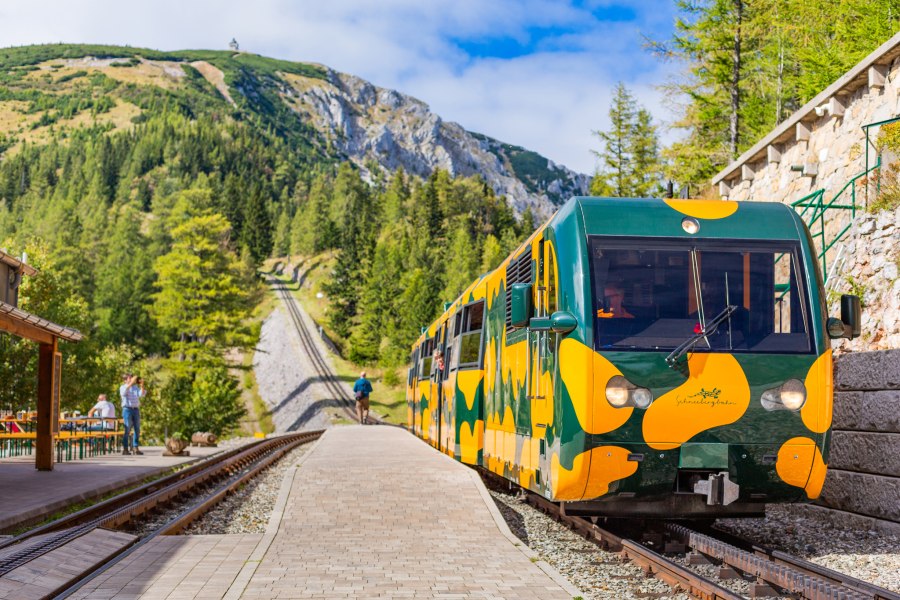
(193, 491)
(334, 387)
(768, 572)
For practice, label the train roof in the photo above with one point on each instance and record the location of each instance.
(663, 217)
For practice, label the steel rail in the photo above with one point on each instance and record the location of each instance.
(181, 521)
(67, 529)
(652, 563)
(330, 380)
(794, 575)
(106, 506)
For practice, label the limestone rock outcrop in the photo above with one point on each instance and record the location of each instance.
(366, 124)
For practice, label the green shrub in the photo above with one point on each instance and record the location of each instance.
(390, 378)
(71, 76)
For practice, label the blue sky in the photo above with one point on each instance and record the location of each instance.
(536, 73)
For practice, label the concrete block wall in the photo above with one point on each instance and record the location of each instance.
(863, 483)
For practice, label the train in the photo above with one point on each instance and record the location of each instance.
(641, 358)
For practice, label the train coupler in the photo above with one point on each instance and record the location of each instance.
(718, 489)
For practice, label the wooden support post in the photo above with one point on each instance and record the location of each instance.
(47, 405)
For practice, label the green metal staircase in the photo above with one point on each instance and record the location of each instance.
(813, 207)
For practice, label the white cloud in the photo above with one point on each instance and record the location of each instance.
(547, 100)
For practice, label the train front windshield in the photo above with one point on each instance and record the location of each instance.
(653, 294)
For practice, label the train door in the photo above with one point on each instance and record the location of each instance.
(437, 393)
(412, 389)
(542, 344)
(424, 393)
(448, 385)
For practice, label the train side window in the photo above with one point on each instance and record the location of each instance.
(469, 353)
(426, 350)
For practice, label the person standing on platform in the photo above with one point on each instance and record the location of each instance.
(131, 413)
(361, 389)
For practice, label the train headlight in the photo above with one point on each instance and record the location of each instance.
(620, 392)
(641, 397)
(617, 391)
(791, 396)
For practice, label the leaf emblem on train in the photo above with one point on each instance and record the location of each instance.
(716, 393)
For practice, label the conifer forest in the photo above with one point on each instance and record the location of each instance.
(150, 209)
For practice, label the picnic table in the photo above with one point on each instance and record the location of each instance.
(76, 438)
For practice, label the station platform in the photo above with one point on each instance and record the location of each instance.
(368, 512)
(28, 495)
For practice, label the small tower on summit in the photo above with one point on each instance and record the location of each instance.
(233, 44)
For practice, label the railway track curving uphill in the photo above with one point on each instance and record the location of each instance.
(333, 385)
(191, 492)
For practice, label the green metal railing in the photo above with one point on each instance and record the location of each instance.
(815, 219)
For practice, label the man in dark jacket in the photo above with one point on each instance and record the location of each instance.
(361, 389)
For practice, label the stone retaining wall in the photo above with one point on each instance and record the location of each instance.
(863, 483)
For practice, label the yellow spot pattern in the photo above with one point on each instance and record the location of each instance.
(467, 382)
(816, 413)
(704, 209)
(470, 442)
(591, 474)
(715, 394)
(585, 374)
(800, 464)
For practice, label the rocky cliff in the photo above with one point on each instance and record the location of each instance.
(367, 124)
(335, 115)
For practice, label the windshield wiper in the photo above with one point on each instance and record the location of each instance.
(686, 345)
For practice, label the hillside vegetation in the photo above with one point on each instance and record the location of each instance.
(147, 188)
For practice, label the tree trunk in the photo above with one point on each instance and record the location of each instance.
(733, 128)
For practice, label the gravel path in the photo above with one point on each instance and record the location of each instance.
(868, 555)
(599, 574)
(248, 510)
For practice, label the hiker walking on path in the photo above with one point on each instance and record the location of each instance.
(361, 389)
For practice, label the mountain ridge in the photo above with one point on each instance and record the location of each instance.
(353, 119)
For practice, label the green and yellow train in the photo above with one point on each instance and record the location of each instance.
(640, 357)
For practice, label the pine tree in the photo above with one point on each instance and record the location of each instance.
(615, 154)
(491, 254)
(631, 165)
(465, 262)
(282, 243)
(203, 295)
(256, 235)
(125, 280)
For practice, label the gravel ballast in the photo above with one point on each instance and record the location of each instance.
(872, 556)
(867, 555)
(248, 509)
(599, 574)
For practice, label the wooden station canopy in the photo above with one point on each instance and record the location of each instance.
(47, 334)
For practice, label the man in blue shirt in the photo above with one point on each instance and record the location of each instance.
(361, 389)
(131, 392)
